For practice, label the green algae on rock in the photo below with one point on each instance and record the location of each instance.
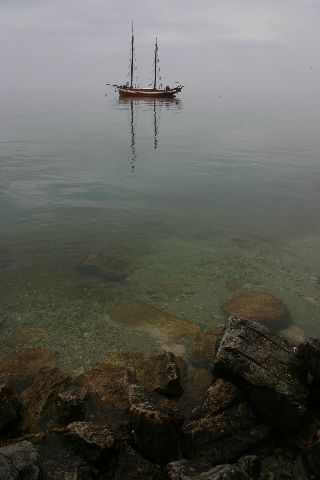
(259, 307)
(107, 268)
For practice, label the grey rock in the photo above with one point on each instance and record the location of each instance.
(222, 434)
(223, 472)
(266, 367)
(309, 351)
(19, 461)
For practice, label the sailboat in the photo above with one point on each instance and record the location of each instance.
(153, 91)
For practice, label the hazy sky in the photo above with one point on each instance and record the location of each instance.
(250, 43)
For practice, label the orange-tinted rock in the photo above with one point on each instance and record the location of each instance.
(161, 373)
(108, 268)
(259, 307)
(205, 344)
(137, 315)
(41, 394)
(19, 370)
(20, 337)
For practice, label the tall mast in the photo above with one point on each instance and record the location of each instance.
(155, 64)
(132, 46)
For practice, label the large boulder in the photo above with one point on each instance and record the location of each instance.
(267, 369)
(259, 307)
(19, 461)
(107, 268)
(223, 428)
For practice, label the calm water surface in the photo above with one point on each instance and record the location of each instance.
(203, 196)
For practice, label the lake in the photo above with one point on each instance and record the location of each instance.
(203, 196)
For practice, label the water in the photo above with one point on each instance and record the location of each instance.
(203, 196)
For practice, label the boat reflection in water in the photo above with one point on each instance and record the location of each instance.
(149, 106)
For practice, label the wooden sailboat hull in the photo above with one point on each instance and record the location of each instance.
(148, 92)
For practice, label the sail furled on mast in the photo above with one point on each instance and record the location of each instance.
(155, 64)
(132, 48)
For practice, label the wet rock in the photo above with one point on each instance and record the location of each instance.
(20, 369)
(58, 463)
(267, 369)
(223, 428)
(251, 465)
(107, 268)
(139, 316)
(223, 472)
(154, 427)
(9, 407)
(40, 395)
(259, 307)
(310, 354)
(108, 392)
(95, 443)
(161, 373)
(21, 337)
(204, 345)
(70, 405)
(19, 461)
(186, 470)
(132, 466)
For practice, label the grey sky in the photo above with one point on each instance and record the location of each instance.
(86, 42)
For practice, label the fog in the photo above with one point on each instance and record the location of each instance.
(256, 44)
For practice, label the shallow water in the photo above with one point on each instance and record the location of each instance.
(202, 196)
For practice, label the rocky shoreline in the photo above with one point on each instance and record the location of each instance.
(259, 418)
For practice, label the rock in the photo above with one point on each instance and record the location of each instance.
(267, 369)
(160, 325)
(132, 466)
(186, 470)
(70, 405)
(9, 407)
(160, 372)
(311, 458)
(223, 428)
(20, 337)
(95, 443)
(204, 345)
(19, 370)
(223, 472)
(259, 307)
(108, 392)
(19, 461)
(58, 463)
(251, 465)
(154, 427)
(310, 354)
(107, 268)
(294, 334)
(40, 395)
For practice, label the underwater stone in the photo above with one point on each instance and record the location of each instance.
(204, 345)
(20, 337)
(259, 307)
(107, 268)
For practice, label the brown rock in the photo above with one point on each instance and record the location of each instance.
(20, 337)
(136, 315)
(9, 407)
(40, 395)
(19, 370)
(107, 268)
(204, 345)
(259, 307)
(108, 392)
(161, 373)
(132, 466)
(70, 405)
(92, 442)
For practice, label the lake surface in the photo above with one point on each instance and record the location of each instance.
(203, 196)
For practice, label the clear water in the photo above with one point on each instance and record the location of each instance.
(203, 196)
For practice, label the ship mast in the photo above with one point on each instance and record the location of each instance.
(155, 64)
(132, 47)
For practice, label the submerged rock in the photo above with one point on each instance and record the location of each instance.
(20, 337)
(9, 407)
(107, 268)
(20, 369)
(259, 307)
(204, 345)
(267, 369)
(223, 428)
(19, 461)
(139, 316)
